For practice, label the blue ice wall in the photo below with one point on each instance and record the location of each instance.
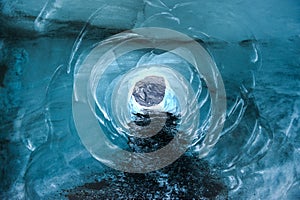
(255, 45)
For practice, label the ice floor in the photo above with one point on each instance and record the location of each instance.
(255, 45)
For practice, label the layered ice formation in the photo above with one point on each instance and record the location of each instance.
(253, 44)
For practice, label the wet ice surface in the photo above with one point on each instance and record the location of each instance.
(257, 155)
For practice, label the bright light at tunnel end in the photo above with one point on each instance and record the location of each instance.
(99, 59)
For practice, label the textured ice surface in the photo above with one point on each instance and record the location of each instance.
(255, 45)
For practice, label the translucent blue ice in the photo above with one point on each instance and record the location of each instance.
(255, 45)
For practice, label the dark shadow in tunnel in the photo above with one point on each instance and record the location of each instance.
(187, 178)
(159, 140)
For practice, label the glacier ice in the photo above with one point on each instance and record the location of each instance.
(255, 45)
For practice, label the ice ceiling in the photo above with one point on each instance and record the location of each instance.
(255, 46)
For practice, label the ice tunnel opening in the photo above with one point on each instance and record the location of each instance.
(150, 91)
